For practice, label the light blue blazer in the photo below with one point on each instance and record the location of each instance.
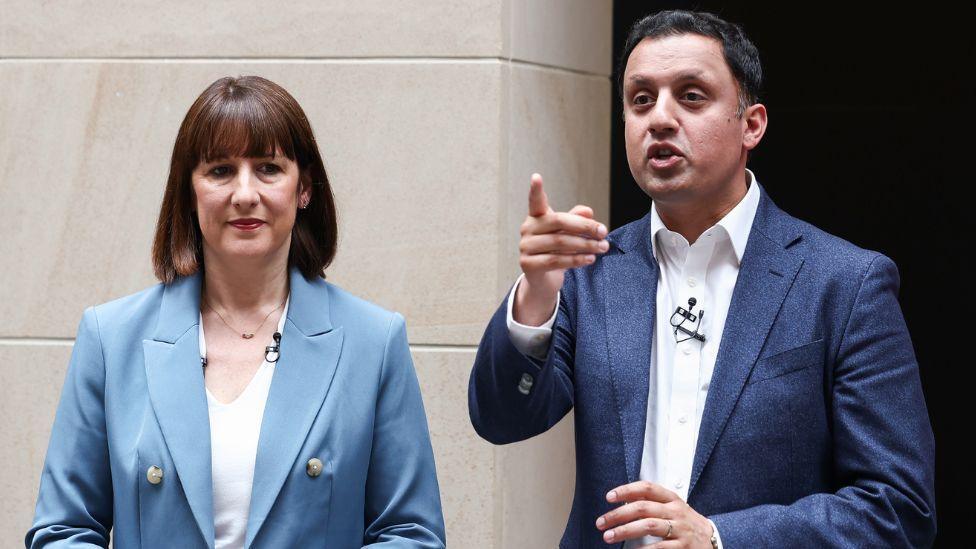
(344, 391)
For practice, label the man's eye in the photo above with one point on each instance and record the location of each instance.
(694, 96)
(642, 100)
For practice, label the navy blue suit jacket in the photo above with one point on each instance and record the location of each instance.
(815, 431)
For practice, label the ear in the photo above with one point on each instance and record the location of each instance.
(754, 127)
(305, 188)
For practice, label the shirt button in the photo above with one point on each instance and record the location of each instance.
(683, 419)
(704, 387)
(314, 467)
(686, 350)
(692, 281)
(154, 475)
(525, 384)
(678, 484)
(539, 338)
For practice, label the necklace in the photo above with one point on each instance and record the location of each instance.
(244, 333)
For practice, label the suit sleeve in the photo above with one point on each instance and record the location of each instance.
(513, 396)
(883, 447)
(403, 505)
(74, 503)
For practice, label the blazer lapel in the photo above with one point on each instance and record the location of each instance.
(310, 349)
(765, 276)
(630, 280)
(178, 396)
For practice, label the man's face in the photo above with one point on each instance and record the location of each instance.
(684, 141)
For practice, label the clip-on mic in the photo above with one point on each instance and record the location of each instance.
(273, 349)
(687, 315)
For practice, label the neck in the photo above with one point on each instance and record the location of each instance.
(690, 218)
(245, 286)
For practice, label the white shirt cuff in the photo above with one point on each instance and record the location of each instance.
(531, 341)
(717, 535)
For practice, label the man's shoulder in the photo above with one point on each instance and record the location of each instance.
(823, 251)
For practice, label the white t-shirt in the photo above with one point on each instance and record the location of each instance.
(234, 431)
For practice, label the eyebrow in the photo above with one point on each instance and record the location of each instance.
(681, 77)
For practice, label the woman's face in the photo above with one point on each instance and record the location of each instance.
(247, 206)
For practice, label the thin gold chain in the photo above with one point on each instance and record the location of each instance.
(244, 334)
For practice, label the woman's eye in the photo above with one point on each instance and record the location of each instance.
(220, 171)
(270, 169)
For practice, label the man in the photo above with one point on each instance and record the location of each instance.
(739, 377)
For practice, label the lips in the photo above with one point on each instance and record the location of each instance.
(662, 156)
(248, 224)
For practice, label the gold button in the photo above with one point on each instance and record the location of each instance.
(314, 467)
(154, 475)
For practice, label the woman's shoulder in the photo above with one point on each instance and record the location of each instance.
(132, 310)
(353, 311)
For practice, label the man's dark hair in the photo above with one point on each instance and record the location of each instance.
(741, 55)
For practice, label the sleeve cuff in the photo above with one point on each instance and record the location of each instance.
(717, 535)
(531, 341)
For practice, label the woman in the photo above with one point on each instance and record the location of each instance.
(244, 401)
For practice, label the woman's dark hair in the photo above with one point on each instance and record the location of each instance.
(740, 54)
(246, 116)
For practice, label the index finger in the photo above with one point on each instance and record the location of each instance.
(538, 201)
(641, 490)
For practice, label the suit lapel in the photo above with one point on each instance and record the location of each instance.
(310, 349)
(765, 276)
(630, 280)
(178, 397)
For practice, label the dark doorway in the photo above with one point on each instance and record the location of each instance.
(869, 139)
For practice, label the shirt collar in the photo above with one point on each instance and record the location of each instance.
(737, 223)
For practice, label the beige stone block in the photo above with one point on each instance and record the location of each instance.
(573, 34)
(517, 495)
(537, 478)
(413, 153)
(465, 462)
(31, 377)
(558, 124)
(251, 28)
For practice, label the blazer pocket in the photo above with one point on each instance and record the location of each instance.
(788, 361)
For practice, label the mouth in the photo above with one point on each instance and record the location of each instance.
(248, 224)
(663, 156)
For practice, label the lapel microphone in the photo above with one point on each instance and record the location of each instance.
(273, 350)
(685, 315)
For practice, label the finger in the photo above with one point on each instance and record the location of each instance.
(565, 222)
(558, 243)
(538, 201)
(636, 529)
(632, 511)
(639, 490)
(583, 211)
(551, 262)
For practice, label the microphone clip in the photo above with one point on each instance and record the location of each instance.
(686, 315)
(273, 352)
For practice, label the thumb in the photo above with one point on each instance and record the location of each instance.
(582, 211)
(538, 201)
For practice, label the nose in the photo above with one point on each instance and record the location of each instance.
(245, 193)
(661, 118)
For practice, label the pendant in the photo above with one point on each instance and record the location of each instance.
(247, 336)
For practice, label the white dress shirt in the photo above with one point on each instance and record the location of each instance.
(234, 431)
(680, 373)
